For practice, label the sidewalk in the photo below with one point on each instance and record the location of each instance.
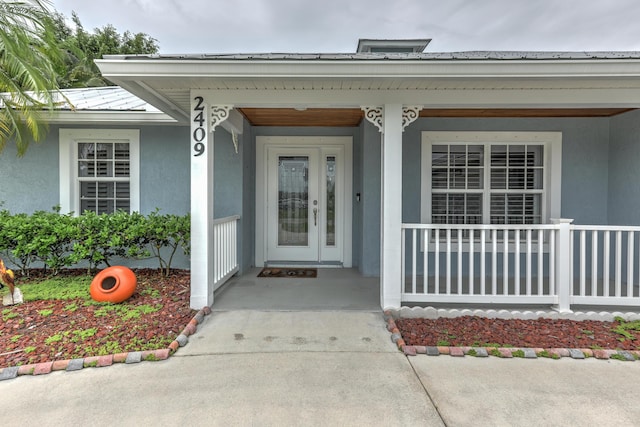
(324, 368)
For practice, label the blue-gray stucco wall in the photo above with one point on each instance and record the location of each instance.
(624, 170)
(31, 182)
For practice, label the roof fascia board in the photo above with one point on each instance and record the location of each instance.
(450, 98)
(136, 69)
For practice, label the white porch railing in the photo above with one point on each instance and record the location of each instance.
(521, 264)
(225, 249)
(606, 265)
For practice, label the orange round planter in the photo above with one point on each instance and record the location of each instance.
(113, 284)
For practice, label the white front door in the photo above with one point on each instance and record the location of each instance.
(305, 201)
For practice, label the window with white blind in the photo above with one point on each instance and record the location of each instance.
(99, 170)
(490, 177)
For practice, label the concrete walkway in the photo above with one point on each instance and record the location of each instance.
(241, 368)
(250, 367)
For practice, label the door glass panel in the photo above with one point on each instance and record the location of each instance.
(330, 237)
(293, 201)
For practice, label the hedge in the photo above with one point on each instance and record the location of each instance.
(58, 241)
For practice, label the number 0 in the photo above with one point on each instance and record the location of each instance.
(199, 134)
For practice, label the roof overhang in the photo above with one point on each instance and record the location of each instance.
(167, 82)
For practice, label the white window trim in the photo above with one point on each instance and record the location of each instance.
(69, 184)
(552, 142)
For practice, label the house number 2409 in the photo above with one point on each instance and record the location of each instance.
(199, 133)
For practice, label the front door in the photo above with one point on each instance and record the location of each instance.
(305, 204)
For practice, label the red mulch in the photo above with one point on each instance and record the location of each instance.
(29, 329)
(541, 333)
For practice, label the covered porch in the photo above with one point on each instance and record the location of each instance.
(395, 101)
(343, 289)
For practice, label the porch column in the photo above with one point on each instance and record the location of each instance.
(204, 119)
(391, 215)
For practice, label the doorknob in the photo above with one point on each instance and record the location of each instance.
(315, 216)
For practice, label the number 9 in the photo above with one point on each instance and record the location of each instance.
(199, 148)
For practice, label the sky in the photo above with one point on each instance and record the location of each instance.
(334, 26)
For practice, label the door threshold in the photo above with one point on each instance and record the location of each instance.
(304, 264)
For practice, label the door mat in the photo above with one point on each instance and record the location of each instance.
(288, 272)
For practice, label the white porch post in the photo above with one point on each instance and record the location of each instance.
(204, 119)
(563, 264)
(201, 203)
(391, 216)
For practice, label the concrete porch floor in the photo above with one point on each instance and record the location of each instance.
(333, 289)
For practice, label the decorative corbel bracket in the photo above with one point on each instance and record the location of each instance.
(409, 114)
(374, 116)
(219, 113)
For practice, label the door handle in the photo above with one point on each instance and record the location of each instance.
(315, 216)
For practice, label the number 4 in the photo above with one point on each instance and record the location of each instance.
(199, 118)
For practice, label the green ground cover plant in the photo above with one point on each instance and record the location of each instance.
(58, 319)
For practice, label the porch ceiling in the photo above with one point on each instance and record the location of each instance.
(350, 117)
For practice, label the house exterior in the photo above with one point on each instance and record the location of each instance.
(469, 177)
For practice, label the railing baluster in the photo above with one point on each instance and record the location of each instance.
(403, 256)
(552, 262)
(605, 264)
(448, 278)
(471, 261)
(505, 262)
(516, 264)
(541, 261)
(425, 261)
(436, 264)
(529, 271)
(414, 259)
(583, 261)
(618, 263)
(459, 262)
(494, 262)
(630, 235)
(483, 251)
(594, 262)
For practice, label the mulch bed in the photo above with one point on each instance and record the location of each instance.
(541, 333)
(26, 338)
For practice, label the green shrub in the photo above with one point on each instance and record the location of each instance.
(168, 231)
(60, 241)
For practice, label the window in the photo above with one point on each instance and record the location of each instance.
(490, 177)
(99, 170)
